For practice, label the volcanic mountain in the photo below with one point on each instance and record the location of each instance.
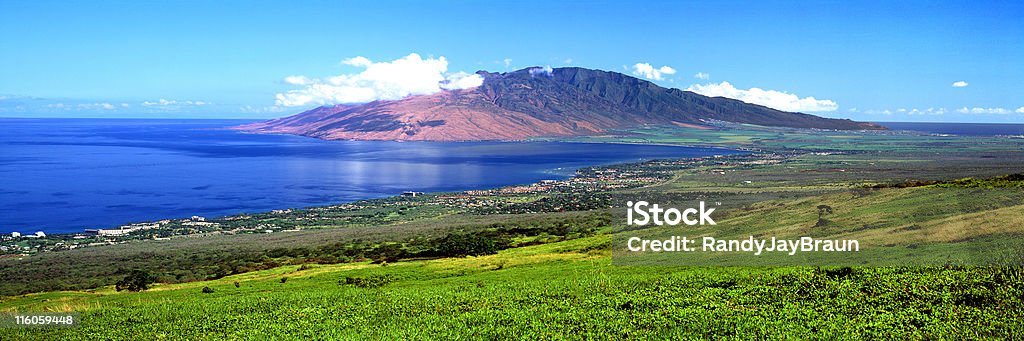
(534, 102)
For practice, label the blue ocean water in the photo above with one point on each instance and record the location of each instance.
(66, 175)
(965, 129)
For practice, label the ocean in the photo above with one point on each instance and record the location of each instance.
(67, 175)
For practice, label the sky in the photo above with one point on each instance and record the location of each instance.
(942, 61)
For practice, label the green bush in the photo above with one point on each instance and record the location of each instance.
(137, 280)
(461, 245)
(375, 281)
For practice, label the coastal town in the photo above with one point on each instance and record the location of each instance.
(585, 190)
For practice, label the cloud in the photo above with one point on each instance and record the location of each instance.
(462, 80)
(508, 62)
(648, 71)
(702, 75)
(1019, 110)
(567, 61)
(297, 80)
(169, 103)
(544, 71)
(88, 106)
(248, 109)
(959, 84)
(977, 110)
(406, 76)
(769, 98)
(927, 112)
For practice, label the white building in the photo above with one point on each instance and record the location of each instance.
(40, 234)
(15, 234)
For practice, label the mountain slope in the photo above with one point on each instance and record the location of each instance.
(528, 103)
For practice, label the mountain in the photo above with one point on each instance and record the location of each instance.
(532, 103)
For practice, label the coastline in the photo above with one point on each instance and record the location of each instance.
(177, 168)
(152, 229)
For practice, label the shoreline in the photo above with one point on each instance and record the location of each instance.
(575, 174)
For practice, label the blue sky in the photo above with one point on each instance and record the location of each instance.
(861, 60)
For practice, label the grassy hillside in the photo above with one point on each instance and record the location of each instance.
(561, 290)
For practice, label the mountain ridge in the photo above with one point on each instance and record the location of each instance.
(534, 102)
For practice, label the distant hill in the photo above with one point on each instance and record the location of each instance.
(523, 104)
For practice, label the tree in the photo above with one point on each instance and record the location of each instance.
(137, 280)
(461, 245)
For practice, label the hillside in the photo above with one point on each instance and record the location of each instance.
(525, 104)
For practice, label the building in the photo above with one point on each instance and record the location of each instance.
(411, 194)
(15, 234)
(112, 232)
(40, 234)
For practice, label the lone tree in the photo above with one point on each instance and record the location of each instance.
(465, 244)
(137, 280)
(822, 211)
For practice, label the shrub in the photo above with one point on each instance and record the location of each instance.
(461, 245)
(207, 290)
(137, 280)
(284, 279)
(375, 281)
(237, 284)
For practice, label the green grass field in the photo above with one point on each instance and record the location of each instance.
(566, 290)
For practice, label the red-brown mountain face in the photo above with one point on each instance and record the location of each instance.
(520, 105)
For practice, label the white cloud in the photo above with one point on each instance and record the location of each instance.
(359, 61)
(959, 84)
(87, 106)
(168, 103)
(508, 62)
(927, 112)
(1019, 110)
(297, 80)
(567, 61)
(406, 76)
(545, 71)
(878, 112)
(462, 80)
(648, 71)
(978, 110)
(769, 98)
(248, 109)
(702, 75)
